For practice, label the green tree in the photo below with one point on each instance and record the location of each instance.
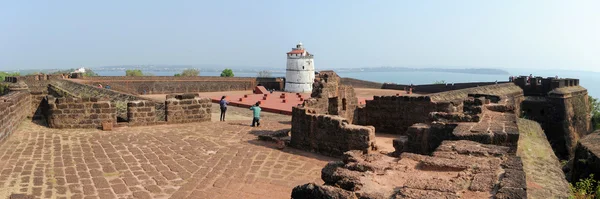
(177, 75)
(89, 73)
(190, 72)
(595, 112)
(4, 87)
(62, 72)
(227, 73)
(264, 73)
(135, 73)
(440, 82)
(5, 74)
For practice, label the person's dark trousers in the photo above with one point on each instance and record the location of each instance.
(223, 110)
(256, 121)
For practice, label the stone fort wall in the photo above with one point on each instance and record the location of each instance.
(563, 115)
(78, 112)
(436, 88)
(71, 112)
(11, 111)
(328, 134)
(168, 85)
(394, 114)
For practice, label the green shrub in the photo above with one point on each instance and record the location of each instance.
(264, 73)
(5, 74)
(585, 189)
(190, 72)
(134, 73)
(227, 73)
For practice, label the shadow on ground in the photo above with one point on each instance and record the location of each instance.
(40, 122)
(286, 122)
(286, 149)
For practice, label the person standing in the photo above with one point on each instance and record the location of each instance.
(256, 111)
(223, 104)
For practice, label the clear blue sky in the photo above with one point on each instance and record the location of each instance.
(540, 34)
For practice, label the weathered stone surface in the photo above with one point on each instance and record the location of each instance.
(330, 97)
(222, 160)
(543, 172)
(69, 112)
(323, 123)
(329, 135)
(168, 85)
(21, 196)
(457, 169)
(395, 114)
(587, 158)
(187, 108)
(563, 114)
(13, 110)
(313, 191)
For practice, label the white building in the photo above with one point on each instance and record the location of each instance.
(80, 70)
(300, 71)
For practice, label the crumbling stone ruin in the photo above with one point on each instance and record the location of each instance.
(322, 124)
(460, 143)
(457, 169)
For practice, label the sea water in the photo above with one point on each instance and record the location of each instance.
(589, 80)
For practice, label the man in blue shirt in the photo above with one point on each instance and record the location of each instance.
(256, 111)
(223, 103)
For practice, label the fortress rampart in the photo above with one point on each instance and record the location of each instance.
(168, 85)
(70, 112)
(560, 106)
(437, 88)
(471, 133)
(329, 134)
(11, 111)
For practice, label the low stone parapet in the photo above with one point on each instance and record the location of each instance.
(141, 113)
(186, 108)
(329, 135)
(14, 108)
(70, 112)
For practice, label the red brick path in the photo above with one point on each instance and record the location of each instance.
(272, 103)
(198, 160)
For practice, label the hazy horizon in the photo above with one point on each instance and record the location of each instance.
(548, 35)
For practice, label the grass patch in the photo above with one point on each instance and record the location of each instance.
(113, 174)
(587, 188)
(52, 180)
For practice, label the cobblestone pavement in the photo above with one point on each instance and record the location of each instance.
(198, 160)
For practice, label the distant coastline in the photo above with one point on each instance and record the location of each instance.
(485, 71)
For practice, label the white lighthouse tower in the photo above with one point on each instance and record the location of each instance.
(300, 71)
